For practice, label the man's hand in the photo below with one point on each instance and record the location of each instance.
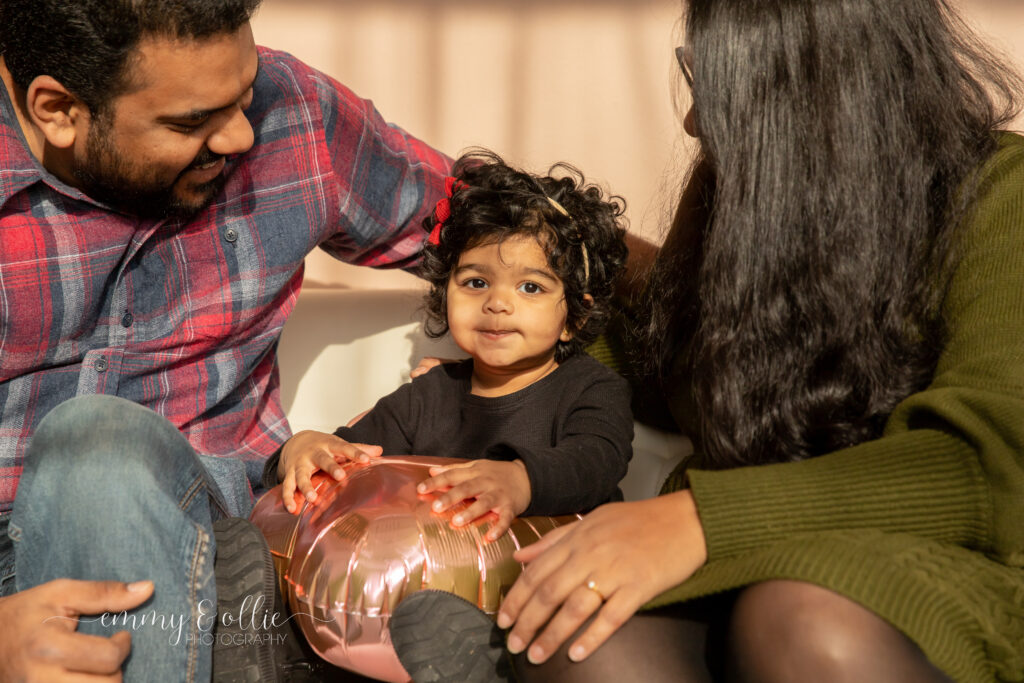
(38, 638)
(499, 487)
(309, 452)
(428, 363)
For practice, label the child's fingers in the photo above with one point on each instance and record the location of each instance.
(486, 504)
(304, 482)
(476, 509)
(341, 450)
(288, 492)
(323, 460)
(455, 495)
(445, 477)
(365, 451)
(432, 484)
(498, 528)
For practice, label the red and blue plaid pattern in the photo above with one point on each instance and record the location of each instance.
(185, 317)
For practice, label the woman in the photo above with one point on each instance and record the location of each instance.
(839, 322)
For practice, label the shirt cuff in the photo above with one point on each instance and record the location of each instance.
(269, 478)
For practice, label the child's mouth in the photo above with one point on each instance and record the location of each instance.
(496, 334)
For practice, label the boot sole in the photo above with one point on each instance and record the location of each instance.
(244, 571)
(440, 637)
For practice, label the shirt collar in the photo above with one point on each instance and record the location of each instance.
(20, 167)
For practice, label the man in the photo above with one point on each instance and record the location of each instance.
(161, 180)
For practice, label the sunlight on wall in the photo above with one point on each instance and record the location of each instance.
(538, 81)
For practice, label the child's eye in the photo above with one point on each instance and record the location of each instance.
(474, 283)
(531, 288)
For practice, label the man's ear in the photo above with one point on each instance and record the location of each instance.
(54, 110)
(568, 334)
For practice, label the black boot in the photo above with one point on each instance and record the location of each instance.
(247, 647)
(251, 648)
(441, 637)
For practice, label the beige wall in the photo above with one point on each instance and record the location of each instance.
(538, 81)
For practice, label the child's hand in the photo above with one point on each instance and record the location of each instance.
(498, 486)
(306, 453)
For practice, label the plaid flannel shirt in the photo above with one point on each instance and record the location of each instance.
(184, 317)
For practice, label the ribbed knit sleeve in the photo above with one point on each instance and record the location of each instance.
(950, 465)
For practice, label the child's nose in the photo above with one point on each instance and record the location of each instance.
(498, 302)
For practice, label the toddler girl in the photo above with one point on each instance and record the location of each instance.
(521, 269)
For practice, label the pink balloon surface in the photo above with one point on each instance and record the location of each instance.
(348, 558)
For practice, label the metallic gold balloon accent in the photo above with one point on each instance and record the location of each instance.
(348, 558)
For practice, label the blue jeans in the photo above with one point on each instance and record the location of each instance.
(112, 491)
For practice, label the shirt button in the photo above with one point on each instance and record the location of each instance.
(231, 234)
(101, 365)
(127, 319)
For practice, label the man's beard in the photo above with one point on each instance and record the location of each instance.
(110, 178)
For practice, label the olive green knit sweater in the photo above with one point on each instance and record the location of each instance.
(925, 525)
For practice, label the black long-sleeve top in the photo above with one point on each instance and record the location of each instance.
(572, 429)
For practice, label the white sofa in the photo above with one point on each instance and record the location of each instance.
(342, 349)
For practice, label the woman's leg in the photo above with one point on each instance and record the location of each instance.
(786, 631)
(676, 644)
(793, 631)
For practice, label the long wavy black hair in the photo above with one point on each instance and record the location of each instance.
(838, 143)
(497, 202)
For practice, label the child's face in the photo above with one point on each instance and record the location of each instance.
(506, 307)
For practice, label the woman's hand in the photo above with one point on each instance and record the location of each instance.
(309, 451)
(498, 486)
(627, 553)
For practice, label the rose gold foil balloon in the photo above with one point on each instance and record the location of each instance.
(367, 541)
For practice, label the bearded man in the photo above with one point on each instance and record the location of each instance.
(161, 180)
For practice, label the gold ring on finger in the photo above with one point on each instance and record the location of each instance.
(592, 585)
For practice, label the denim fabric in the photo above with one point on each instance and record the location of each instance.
(112, 491)
(6, 558)
(229, 474)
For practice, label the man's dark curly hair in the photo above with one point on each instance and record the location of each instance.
(90, 46)
(498, 202)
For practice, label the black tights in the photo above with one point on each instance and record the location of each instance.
(785, 631)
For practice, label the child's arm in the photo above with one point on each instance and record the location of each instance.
(581, 471)
(591, 455)
(498, 486)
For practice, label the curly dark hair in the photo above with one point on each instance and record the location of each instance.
(498, 202)
(90, 45)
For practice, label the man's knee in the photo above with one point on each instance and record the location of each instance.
(86, 418)
(102, 443)
(102, 426)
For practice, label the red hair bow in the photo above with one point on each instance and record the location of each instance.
(443, 209)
